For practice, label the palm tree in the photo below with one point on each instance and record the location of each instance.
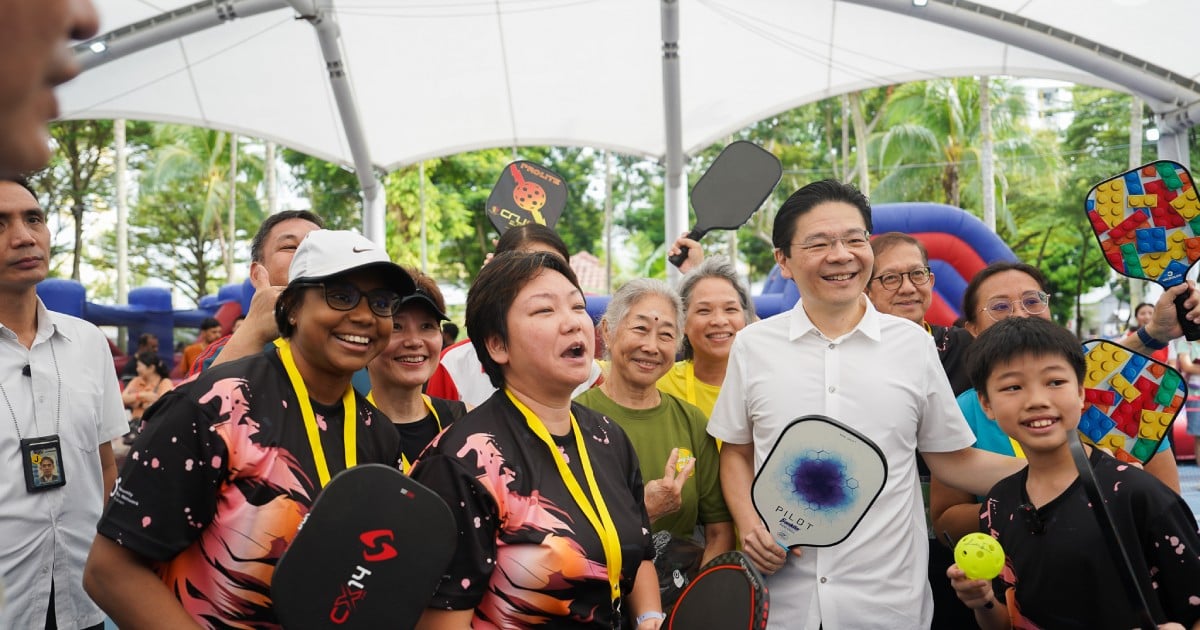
(932, 145)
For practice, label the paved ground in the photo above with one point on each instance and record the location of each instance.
(1189, 479)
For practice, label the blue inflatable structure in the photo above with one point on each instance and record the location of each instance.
(150, 310)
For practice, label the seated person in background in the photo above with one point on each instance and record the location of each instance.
(146, 388)
(1028, 376)
(146, 342)
(716, 307)
(210, 331)
(641, 334)
(404, 366)
(1001, 291)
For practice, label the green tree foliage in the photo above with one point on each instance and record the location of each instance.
(177, 224)
(333, 191)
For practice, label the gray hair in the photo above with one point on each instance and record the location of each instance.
(633, 292)
(713, 267)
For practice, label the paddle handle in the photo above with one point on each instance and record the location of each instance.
(695, 235)
(1191, 329)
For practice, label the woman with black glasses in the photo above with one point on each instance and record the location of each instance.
(213, 491)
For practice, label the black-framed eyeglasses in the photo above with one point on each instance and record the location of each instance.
(345, 297)
(820, 244)
(892, 281)
(1032, 302)
(1033, 520)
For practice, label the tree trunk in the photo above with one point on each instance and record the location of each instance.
(985, 162)
(860, 144)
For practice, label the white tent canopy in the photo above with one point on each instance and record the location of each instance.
(436, 77)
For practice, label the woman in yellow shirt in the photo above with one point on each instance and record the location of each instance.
(716, 307)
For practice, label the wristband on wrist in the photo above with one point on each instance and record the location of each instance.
(1150, 342)
(646, 616)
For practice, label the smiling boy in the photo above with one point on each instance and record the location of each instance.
(1028, 374)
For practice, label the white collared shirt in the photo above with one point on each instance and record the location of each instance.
(884, 379)
(47, 535)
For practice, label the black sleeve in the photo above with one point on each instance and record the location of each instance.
(465, 581)
(167, 490)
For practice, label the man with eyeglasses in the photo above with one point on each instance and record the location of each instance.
(902, 285)
(835, 354)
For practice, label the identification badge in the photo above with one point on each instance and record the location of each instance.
(42, 460)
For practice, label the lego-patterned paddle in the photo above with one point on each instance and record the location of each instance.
(1130, 400)
(526, 193)
(1116, 549)
(368, 554)
(818, 482)
(731, 190)
(727, 593)
(1147, 221)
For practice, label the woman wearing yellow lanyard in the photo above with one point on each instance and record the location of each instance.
(716, 307)
(547, 494)
(403, 368)
(214, 489)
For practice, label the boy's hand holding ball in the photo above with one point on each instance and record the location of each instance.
(978, 558)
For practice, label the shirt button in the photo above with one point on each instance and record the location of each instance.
(824, 580)
(832, 389)
(832, 346)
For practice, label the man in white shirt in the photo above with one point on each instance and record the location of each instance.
(59, 398)
(834, 354)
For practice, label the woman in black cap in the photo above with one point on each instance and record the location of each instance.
(400, 372)
(214, 489)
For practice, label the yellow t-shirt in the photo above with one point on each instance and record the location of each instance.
(681, 382)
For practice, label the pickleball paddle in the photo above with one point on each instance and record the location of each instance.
(368, 555)
(1130, 400)
(818, 482)
(1147, 221)
(731, 190)
(1117, 550)
(727, 593)
(526, 193)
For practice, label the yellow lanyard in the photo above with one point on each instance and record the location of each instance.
(689, 377)
(349, 417)
(429, 406)
(602, 522)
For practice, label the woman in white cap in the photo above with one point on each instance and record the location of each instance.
(403, 368)
(213, 491)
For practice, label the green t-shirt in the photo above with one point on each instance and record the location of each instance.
(654, 432)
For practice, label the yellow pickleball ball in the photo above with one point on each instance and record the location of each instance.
(979, 556)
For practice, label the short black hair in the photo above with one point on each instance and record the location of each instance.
(970, 303)
(1014, 337)
(153, 360)
(450, 328)
(264, 228)
(23, 182)
(492, 295)
(522, 236)
(809, 197)
(210, 322)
